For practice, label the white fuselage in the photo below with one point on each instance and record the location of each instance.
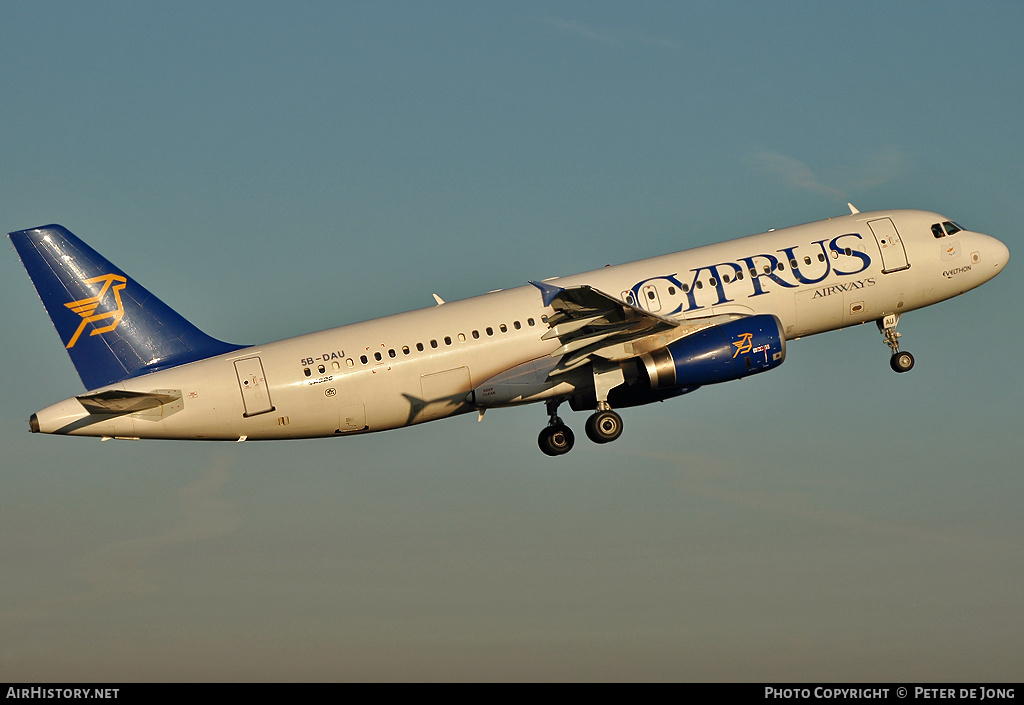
(423, 365)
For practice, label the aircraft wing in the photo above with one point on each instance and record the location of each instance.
(590, 323)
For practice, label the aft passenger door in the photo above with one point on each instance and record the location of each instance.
(894, 255)
(252, 382)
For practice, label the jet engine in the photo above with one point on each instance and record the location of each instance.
(718, 353)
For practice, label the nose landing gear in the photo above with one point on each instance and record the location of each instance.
(900, 361)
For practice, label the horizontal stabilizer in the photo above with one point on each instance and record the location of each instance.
(122, 402)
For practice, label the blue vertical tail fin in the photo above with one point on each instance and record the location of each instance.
(112, 327)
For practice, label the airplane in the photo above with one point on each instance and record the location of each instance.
(612, 338)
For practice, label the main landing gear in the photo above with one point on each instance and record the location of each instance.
(557, 438)
(603, 426)
(900, 361)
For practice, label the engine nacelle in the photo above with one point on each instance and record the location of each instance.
(718, 353)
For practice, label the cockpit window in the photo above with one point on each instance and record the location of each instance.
(945, 228)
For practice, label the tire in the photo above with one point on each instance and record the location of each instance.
(556, 440)
(604, 427)
(901, 362)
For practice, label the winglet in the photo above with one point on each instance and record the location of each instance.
(438, 299)
(853, 209)
(548, 291)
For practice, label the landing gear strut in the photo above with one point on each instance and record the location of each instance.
(604, 426)
(900, 361)
(556, 438)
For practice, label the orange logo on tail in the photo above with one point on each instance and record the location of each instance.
(86, 308)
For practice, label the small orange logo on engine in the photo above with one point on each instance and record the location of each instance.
(744, 344)
(86, 308)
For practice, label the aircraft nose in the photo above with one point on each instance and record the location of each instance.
(1000, 254)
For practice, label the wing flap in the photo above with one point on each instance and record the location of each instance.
(587, 320)
(592, 324)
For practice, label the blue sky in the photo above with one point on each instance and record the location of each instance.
(269, 169)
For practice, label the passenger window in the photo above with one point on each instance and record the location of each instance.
(462, 337)
(307, 372)
(377, 356)
(476, 334)
(391, 353)
(447, 340)
(419, 347)
(405, 349)
(517, 325)
(699, 284)
(321, 369)
(433, 343)
(821, 257)
(529, 321)
(712, 282)
(671, 291)
(793, 263)
(350, 363)
(503, 328)
(362, 359)
(489, 331)
(336, 365)
(686, 288)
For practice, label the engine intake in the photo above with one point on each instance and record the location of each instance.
(719, 353)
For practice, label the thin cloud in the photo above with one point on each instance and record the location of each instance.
(124, 569)
(610, 37)
(581, 30)
(707, 477)
(794, 173)
(874, 170)
(882, 167)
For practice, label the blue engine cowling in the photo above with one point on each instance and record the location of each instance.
(718, 353)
